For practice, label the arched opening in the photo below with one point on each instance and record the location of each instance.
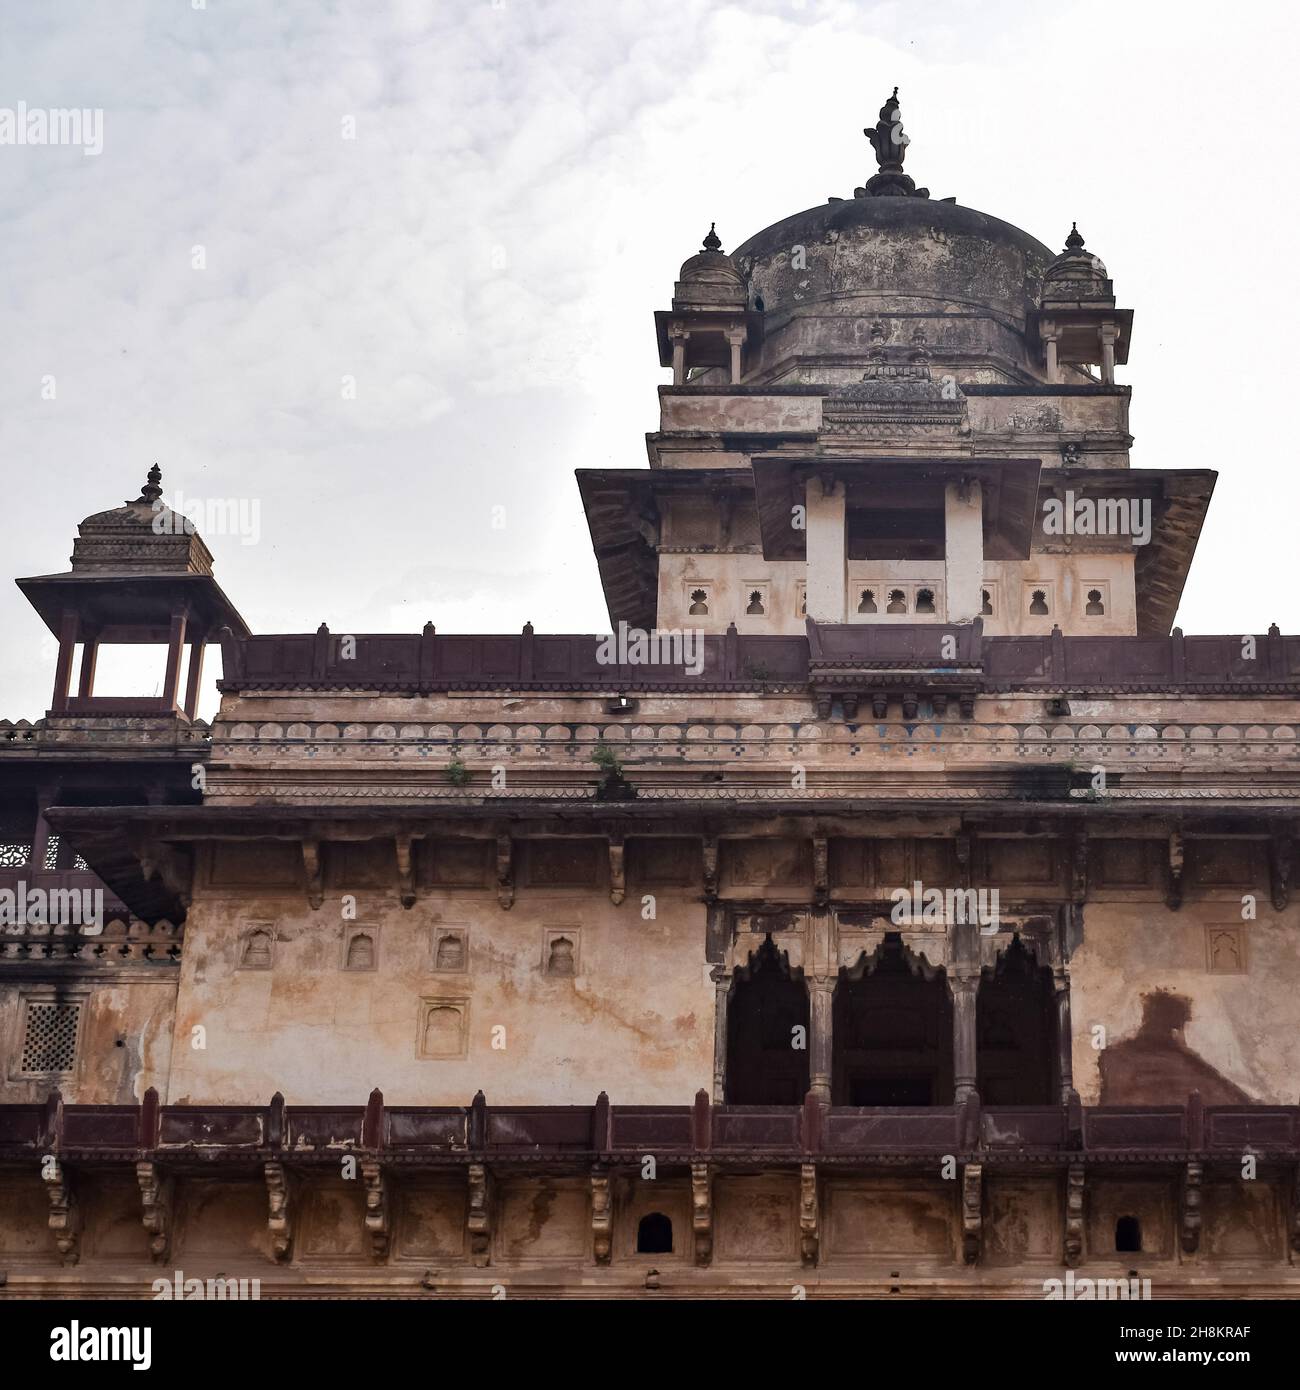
(1015, 1020)
(1128, 1236)
(1096, 607)
(892, 1031)
(867, 603)
(1038, 603)
(925, 600)
(755, 606)
(767, 1032)
(654, 1234)
(897, 602)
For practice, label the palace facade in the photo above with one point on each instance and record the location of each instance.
(900, 905)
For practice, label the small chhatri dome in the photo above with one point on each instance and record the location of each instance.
(710, 278)
(1076, 274)
(142, 535)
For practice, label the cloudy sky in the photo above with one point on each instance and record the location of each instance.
(483, 256)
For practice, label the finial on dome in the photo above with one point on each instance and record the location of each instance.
(151, 491)
(890, 144)
(713, 242)
(1074, 242)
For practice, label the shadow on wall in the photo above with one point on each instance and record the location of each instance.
(1156, 1067)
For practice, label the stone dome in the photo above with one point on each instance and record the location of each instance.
(826, 277)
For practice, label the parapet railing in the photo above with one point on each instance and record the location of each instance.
(702, 1130)
(429, 661)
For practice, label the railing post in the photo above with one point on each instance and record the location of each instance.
(731, 654)
(275, 1122)
(1074, 1121)
(478, 1121)
(150, 1121)
(702, 1123)
(53, 1136)
(526, 653)
(372, 1126)
(1056, 653)
(428, 653)
(320, 652)
(1177, 656)
(600, 1125)
(810, 1124)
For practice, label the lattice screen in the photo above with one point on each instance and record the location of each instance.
(50, 1037)
(52, 852)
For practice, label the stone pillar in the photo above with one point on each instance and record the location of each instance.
(89, 655)
(45, 796)
(963, 523)
(735, 339)
(1064, 1036)
(69, 626)
(826, 534)
(821, 997)
(964, 1037)
(679, 356)
(1049, 343)
(721, 978)
(175, 647)
(194, 676)
(1108, 353)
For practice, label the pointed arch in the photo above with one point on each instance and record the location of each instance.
(892, 1030)
(767, 1020)
(1015, 1023)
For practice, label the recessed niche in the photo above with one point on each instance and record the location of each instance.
(257, 947)
(450, 950)
(560, 955)
(360, 948)
(444, 1028)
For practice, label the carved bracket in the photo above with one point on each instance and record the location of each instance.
(1079, 868)
(311, 864)
(478, 1221)
(617, 877)
(279, 1215)
(170, 866)
(710, 866)
(1189, 1209)
(702, 1212)
(821, 870)
(972, 1211)
(1280, 859)
(602, 1215)
(65, 1214)
(505, 872)
(405, 873)
(156, 1202)
(809, 1215)
(1074, 1215)
(1174, 873)
(378, 1207)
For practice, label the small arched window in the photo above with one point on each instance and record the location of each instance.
(755, 606)
(1038, 603)
(1096, 608)
(654, 1235)
(699, 602)
(897, 602)
(925, 600)
(986, 609)
(868, 602)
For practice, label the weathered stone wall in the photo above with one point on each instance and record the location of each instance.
(634, 1019)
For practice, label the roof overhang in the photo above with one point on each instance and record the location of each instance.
(133, 607)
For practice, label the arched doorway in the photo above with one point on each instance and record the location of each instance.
(892, 1031)
(767, 1032)
(1015, 1025)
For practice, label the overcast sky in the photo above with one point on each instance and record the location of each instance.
(484, 258)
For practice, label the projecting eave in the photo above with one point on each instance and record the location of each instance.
(137, 607)
(1179, 499)
(623, 516)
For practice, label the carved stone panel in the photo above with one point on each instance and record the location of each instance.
(756, 1218)
(891, 1218)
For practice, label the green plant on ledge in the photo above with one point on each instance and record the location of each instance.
(457, 773)
(607, 760)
